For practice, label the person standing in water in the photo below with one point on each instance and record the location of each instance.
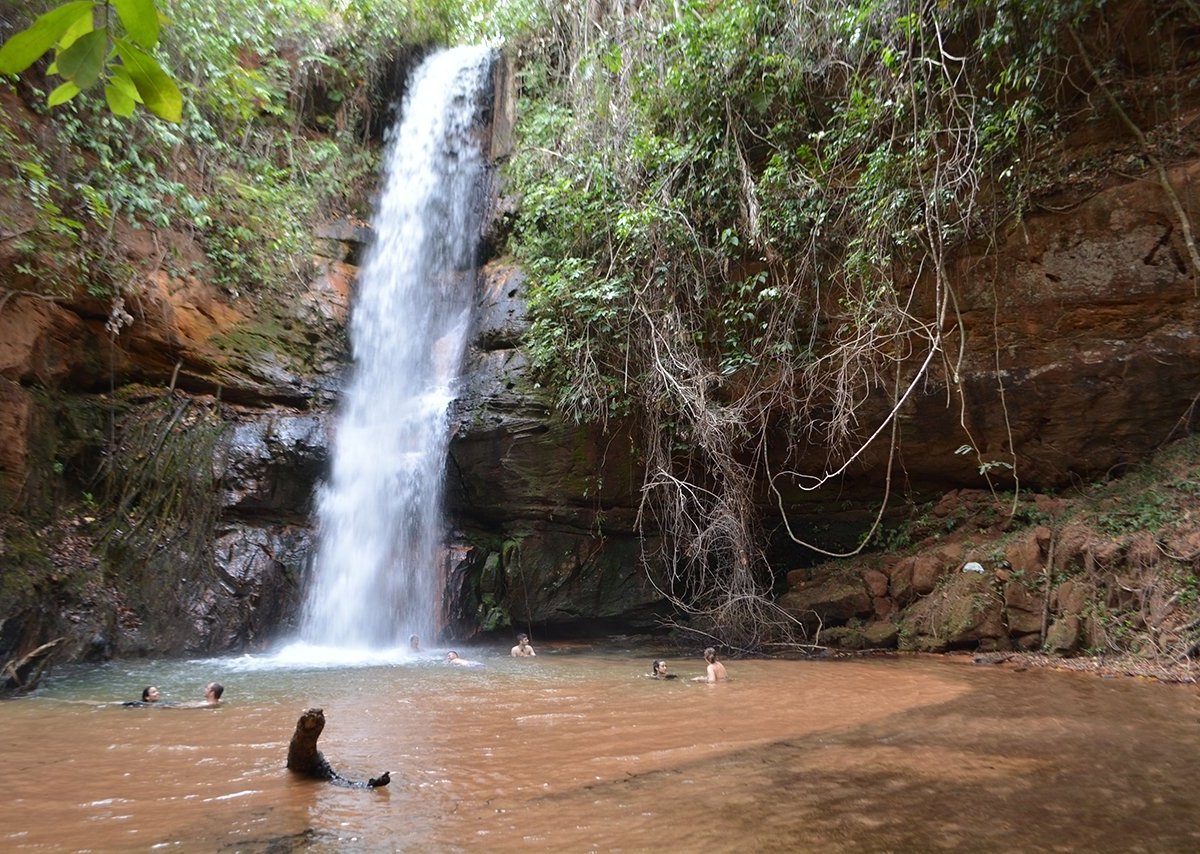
(212, 698)
(522, 649)
(716, 670)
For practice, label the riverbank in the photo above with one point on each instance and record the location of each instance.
(1186, 672)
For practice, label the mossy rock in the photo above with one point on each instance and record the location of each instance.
(964, 611)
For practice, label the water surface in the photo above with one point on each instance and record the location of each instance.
(576, 750)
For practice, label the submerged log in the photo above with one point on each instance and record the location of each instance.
(23, 674)
(304, 758)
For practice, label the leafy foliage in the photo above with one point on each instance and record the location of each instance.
(83, 36)
(729, 213)
(276, 99)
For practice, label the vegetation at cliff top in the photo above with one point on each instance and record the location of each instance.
(278, 97)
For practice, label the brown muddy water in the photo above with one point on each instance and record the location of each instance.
(576, 750)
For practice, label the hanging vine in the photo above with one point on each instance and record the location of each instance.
(738, 220)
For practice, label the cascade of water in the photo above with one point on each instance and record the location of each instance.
(375, 577)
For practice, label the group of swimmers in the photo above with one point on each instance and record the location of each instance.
(523, 649)
(151, 696)
(715, 671)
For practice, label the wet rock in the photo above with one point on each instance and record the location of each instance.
(273, 462)
(884, 635)
(1023, 609)
(1063, 636)
(965, 612)
(827, 601)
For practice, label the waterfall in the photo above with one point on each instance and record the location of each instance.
(376, 576)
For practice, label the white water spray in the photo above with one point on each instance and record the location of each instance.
(376, 575)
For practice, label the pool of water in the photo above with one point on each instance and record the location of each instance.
(577, 750)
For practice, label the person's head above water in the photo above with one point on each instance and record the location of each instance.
(451, 655)
(414, 643)
(523, 648)
(710, 655)
(213, 692)
(150, 694)
(658, 669)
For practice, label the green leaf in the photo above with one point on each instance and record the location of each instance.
(63, 93)
(83, 60)
(84, 25)
(159, 92)
(121, 79)
(119, 101)
(25, 47)
(140, 19)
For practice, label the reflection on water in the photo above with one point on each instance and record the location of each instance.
(578, 751)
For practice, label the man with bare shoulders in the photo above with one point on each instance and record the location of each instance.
(212, 698)
(522, 649)
(716, 670)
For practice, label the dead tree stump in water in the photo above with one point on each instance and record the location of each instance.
(304, 758)
(22, 674)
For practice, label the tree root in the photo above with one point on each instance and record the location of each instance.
(304, 758)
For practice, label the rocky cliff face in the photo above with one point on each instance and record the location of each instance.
(104, 541)
(1080, 356)
(1071, 354)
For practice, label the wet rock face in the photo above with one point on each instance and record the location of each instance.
(58, 369)
(1082, 354)
(262, 552)
(258, 590)
(273, 462)
(542, 511)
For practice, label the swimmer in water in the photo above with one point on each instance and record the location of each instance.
(715, 671)
(658, 670)
(454, 658)
(150, 695)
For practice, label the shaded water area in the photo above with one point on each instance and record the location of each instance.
(575, 750)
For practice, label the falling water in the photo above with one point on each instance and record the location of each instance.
(375, 578)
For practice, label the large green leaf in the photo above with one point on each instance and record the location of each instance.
(25, 47)
(120, 78)
(83, 60)
(62, 94)
(140, 19)
(119, 101)
(158, 90)
(83, 25)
